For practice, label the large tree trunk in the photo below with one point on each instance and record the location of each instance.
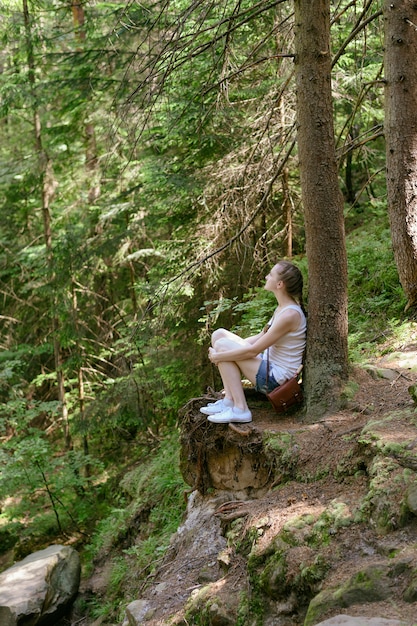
(326, 358)
(401, 137)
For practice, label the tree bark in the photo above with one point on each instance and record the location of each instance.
(400, 62)
(326, 364)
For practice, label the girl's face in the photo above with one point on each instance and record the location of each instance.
(273, 278)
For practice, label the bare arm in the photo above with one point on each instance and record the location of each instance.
(254, 338)
(287, 322)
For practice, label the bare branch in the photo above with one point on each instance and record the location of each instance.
(235, 237)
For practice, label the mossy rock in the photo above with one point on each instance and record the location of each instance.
(410, 594)
(369, 585)
(206, 607)
(411, 497)
(385, 504)
(298, 571)
(272, 580)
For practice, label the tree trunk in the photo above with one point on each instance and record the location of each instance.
(80, 374)
(326, 357)
(400, 63)
(286, 195)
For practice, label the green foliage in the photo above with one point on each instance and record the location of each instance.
(148, 512)
(155, 487)
(50, 490)
(376, 300)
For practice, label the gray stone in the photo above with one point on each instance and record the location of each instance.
(347, 620)
(39, 588)
(381, 372)
(137, 612)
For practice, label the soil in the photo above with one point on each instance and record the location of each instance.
(330, 443)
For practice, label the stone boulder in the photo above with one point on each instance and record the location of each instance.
(39, 589)
(347, 620)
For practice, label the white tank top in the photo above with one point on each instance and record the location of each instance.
(286, 355)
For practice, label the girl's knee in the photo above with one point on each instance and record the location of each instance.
(222, 344)
(218, 334)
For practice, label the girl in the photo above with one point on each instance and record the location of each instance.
(284, 338)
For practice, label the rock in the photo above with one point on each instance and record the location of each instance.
(410, 594)
(208, 606)
(368, 585)
(411, 498)
(40, 588)
(201, 539)
(137, 612)
(347, 620)
(381, 372)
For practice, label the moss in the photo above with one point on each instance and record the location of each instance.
(251, 610)
(289, 535)
(365, 586)
(258, 557)
(410, 594)
(272, 580)
(319, 606)
(234, 531)
(299, 522)
(373, 435)
(311, 574)
(385, 504)
(245, 545)
(319, 474)
(284, 450)
(348, 392)
(335, 517)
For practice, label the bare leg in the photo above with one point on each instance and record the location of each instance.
(232, 381)
(222, 333)
(221, 340)
(231, 372)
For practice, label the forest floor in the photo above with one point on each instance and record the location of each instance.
(376, 398)
(329, 441)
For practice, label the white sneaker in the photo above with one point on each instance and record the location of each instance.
(231, 414)
(217, 407)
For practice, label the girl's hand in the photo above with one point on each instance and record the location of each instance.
(212, 355)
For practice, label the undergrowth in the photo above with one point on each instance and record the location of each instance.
(134, 538)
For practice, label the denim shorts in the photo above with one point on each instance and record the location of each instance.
(261, 379)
